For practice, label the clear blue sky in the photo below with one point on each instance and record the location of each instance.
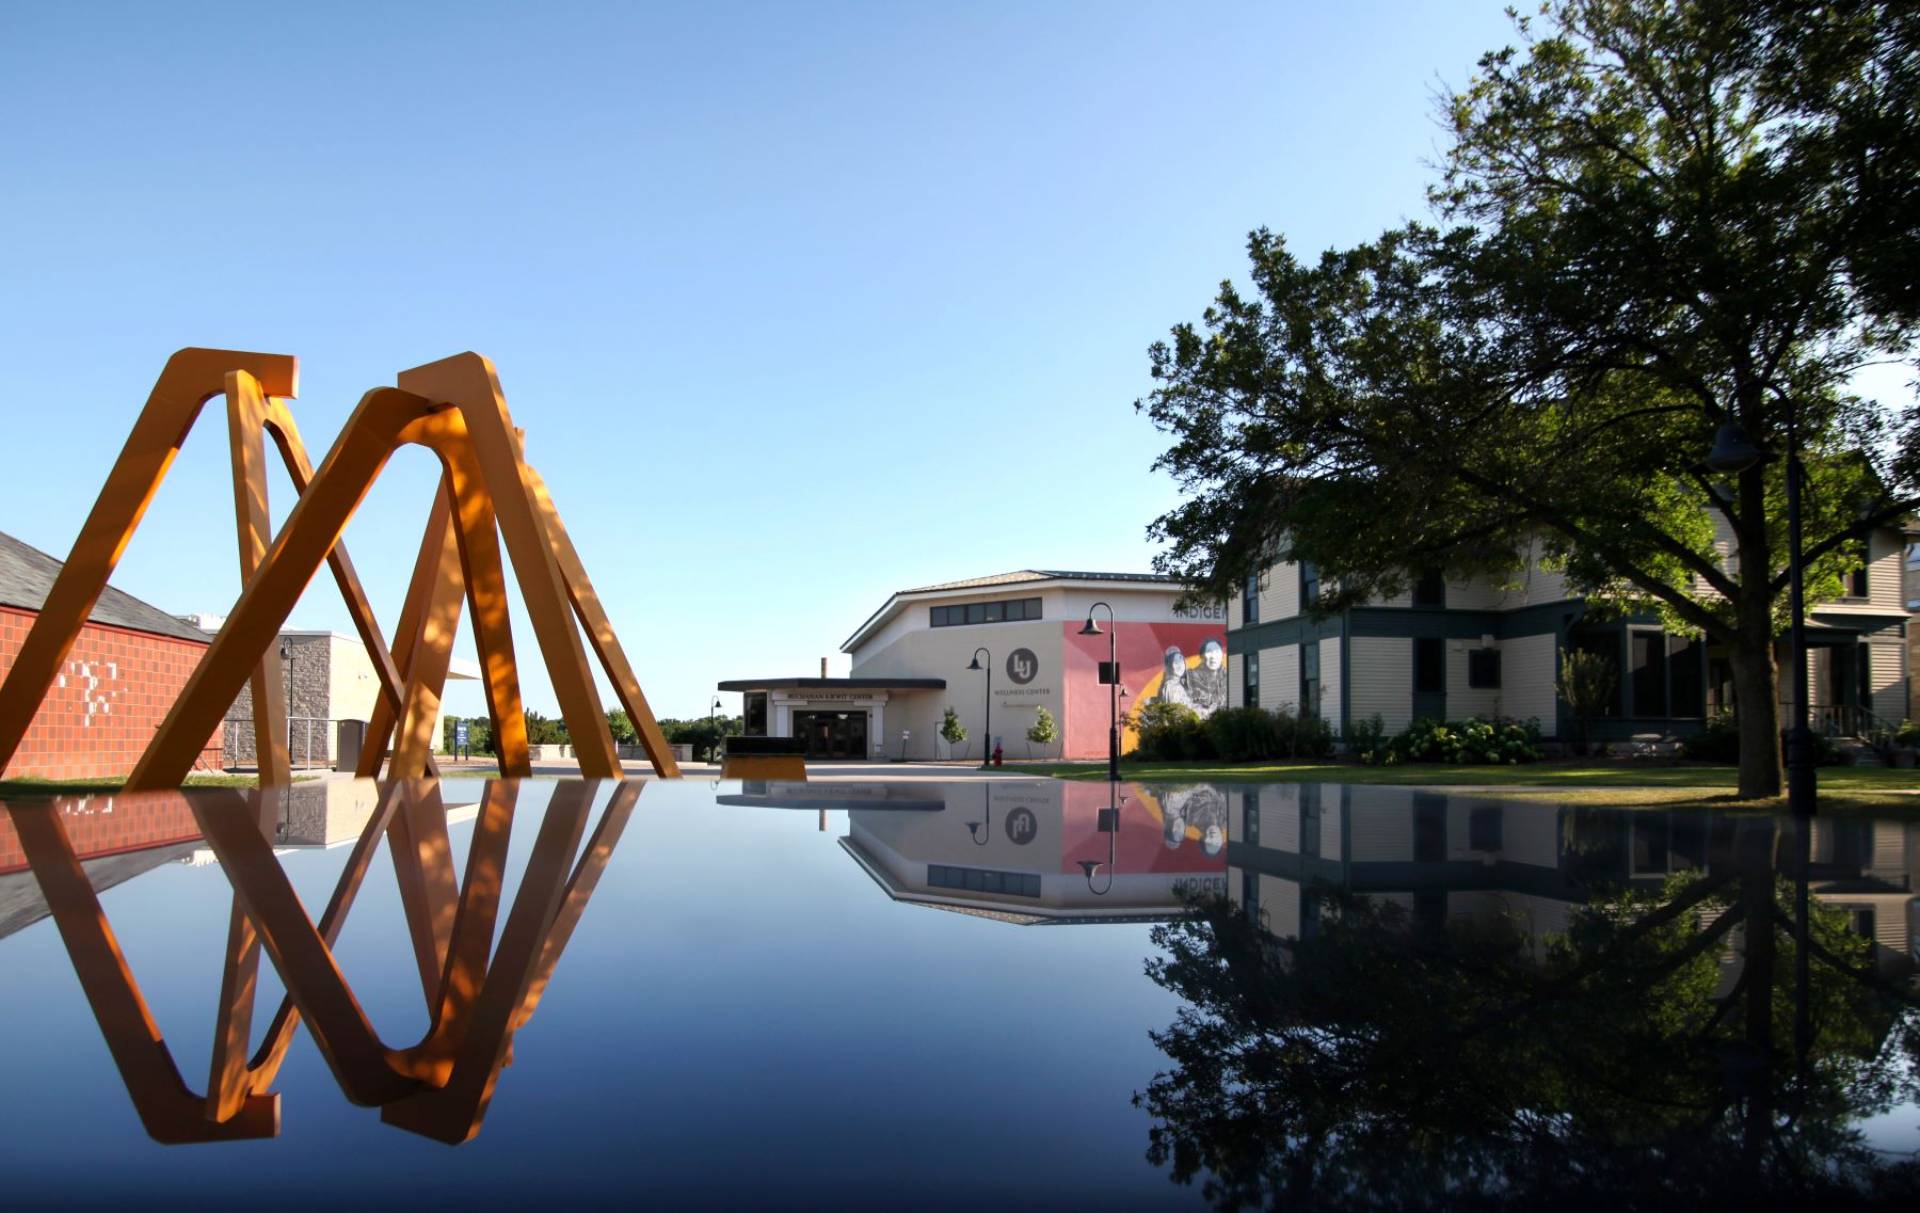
(798, 304)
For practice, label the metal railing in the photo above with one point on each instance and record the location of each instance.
(1846, 720)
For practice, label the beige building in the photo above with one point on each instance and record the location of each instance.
(1491, 648)
(911, 661)
(331, 689)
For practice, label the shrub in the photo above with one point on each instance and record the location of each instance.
(1244, 734)
(1368, 740)
(1504, 742)
(1170, 732)
(1719, 741)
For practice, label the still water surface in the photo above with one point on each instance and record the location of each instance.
(922, 995)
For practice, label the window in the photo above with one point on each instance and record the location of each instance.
(1250, 599)
(982, 880)
(1430, 591)
(1310, 678)
(1483, 669)
(1429, 666)
(1604, 645)
(754, 710)
(1857, 580)
(1486, 828)
(1250, 680)
(1012, 610)
(1309, 586)
(1648, 668)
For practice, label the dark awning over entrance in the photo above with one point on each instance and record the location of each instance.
(834, 684)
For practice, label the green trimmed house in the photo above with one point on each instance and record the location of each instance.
(1485, 649)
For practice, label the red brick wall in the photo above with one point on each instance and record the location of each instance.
(118, 685)
(110, 824)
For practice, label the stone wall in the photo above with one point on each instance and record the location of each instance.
(308, 674)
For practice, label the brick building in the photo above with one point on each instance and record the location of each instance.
(127, 666)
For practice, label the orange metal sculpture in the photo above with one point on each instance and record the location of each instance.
(477, 995)
(488, 493)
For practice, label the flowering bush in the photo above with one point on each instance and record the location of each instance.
(1481, 742)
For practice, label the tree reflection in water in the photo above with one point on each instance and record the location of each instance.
(1667, 1048)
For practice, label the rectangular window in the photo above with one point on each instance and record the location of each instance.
(1309, 586)
(1857, 580)
(1649, 672)
(982, 880)
(1429, 666)
(1310, 679)
(1687, 696)
(1483, 669)
(1430, 591)
(1250, 600)
(976, 612)
(754, 714)
(994, 612)
(1605, 646)
(1250, 680)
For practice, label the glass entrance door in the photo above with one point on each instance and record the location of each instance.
(832, 734)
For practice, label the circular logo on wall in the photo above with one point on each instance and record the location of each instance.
(1022, 665)
(1021, 827)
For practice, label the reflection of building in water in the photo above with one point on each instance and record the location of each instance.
(118, 837)
(1017, 852)
(1450, 858)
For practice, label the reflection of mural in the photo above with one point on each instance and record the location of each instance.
(1162, 829)
(1184, 663)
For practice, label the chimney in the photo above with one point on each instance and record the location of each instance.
(823, 667)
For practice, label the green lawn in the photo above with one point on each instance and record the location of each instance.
(81, 787)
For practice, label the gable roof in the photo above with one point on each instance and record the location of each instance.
(26, 577)
(995, 581)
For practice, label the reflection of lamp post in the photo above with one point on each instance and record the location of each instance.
(1109, 824)
(1733, 452)
(982, 831)
(1109, 674)
(986, 740)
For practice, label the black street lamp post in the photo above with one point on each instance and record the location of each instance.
(1109, 824)
(1733, 452)
(986, 740)
(1109, 674)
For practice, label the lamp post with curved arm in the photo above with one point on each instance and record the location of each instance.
(982, 831)
(1110, 675)
(986, 740)
(1109, 824)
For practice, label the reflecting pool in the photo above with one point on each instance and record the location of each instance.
(995, 992)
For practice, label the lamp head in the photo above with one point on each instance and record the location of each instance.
(1732, 451)
(1090, 866)
(1092, 628)
(975, 663)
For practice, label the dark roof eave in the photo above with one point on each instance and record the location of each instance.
(834, 684)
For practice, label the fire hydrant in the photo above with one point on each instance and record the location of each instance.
(996, 753)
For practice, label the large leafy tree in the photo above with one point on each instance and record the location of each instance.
(1655, 219)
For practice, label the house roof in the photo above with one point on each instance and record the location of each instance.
(996, 581)
(27, 575)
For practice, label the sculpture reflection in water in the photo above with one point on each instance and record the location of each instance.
(1371, 1030)
(477, 994)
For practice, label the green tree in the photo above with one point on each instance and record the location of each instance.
(1587, 683)
(1043, 732)
(545, 730)
(951, 730)
(621, 726)
(1655, 223)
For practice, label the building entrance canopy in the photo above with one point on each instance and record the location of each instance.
(839, 717)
